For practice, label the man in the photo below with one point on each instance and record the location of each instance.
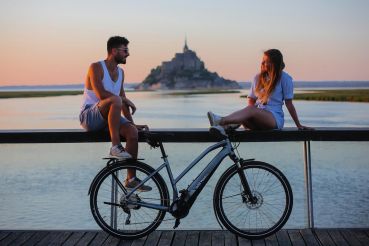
(104, 100)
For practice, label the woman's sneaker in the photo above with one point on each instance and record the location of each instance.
(215, 120)
(117, 151)
(130, 184)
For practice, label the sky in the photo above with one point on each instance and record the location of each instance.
(49, 42)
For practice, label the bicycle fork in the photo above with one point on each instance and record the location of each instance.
(246, 193)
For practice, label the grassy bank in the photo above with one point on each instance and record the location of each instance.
(21, 94)
(356, 95)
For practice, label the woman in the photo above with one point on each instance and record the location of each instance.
(269, 89)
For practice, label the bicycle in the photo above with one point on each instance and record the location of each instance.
(252, 199)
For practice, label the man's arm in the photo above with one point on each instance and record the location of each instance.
(126, 104)
(95, 75)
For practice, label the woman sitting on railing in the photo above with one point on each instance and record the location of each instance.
(270, 88)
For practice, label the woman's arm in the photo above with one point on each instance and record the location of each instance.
(293, 113)
(251, 101)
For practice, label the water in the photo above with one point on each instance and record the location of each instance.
(44, 186)
(161, 110)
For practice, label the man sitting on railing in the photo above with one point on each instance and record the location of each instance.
(103, 101)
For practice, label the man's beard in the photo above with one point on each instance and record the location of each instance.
(120, 60)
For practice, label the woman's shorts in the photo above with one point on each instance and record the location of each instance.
(279, 119)
(92, 120)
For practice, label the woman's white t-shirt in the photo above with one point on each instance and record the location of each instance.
(282, 91)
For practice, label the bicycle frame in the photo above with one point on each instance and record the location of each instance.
(201, 180)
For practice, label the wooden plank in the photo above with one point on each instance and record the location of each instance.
(99, 239)
(361, 236)
(23, 237)
(153, 238)
(229, 238)
(166, 238)
(123, 242)
(4, 234)
(74, 238)
(187, 135)
(324, 237)
(60, 238)
(258, 242)
(37, 237)
(139, 242)
(366, 231)
(337, 238)
(205, 238)
(329, 237)
(192, 238)
(350, 238)
(50, 239)
(111, 240)
(86, 238)
(271, 240)
(296, 238)
(243, 241)
(217, 238)
(309, 237)
(283, 238)
(9, 239)
(180, 238)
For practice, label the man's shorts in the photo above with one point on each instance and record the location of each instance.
(92, 120)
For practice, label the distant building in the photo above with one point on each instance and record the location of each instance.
(185, 71)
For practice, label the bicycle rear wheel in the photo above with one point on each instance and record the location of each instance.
(261, 217)
(111, 208)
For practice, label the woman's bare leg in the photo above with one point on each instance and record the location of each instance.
(252, 118)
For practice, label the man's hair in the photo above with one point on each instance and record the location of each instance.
(116, 42)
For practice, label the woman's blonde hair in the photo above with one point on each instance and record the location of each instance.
(267, 80)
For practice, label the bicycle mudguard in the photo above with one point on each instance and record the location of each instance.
(94, 180)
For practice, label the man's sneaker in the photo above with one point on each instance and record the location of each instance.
(130, 184)
(215, 120)
(117, 151)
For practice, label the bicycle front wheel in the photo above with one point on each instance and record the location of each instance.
(112, 210)
(259, 217)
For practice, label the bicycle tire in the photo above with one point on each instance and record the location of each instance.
(143, 220)
(274, 200)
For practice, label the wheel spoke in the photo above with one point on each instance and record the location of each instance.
(111, 207)
(253, 218)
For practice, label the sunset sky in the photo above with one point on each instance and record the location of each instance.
(53, 42)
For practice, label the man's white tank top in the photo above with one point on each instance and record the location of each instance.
(89, 96)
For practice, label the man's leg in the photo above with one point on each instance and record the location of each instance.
(130, 133)
(110, 109)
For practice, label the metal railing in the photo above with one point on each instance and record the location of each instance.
(203, 135)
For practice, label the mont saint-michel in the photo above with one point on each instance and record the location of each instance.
(185, 71)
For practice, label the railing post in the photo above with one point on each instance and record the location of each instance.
(308, 184)
(113, 209)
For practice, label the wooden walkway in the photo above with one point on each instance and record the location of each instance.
(334, 237)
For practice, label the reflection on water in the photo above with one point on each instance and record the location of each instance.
(161, 110)
(44, 186)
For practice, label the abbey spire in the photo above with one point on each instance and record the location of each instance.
(185, 48)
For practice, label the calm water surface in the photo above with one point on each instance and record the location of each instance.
(44, 186)
(160, 110)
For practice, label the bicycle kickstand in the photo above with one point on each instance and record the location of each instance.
(176, 224)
